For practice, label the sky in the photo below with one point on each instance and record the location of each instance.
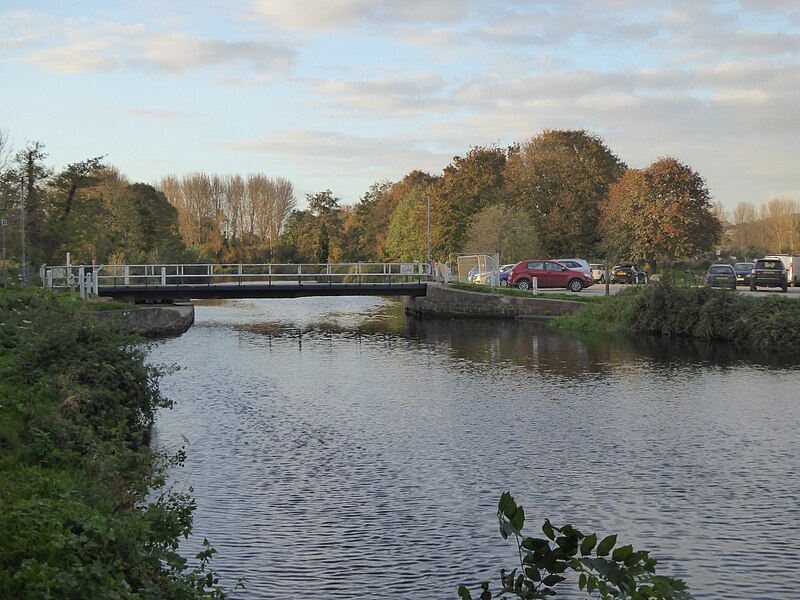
(340, 94)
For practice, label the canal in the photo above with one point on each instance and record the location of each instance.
(340, 450)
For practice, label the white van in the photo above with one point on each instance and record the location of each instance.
(792, 264)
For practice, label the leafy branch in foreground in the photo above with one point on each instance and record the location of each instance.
(602, 569)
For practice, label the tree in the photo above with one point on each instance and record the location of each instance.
(469, 184)
(780, 218)
(407, 238)
(507, 231)
(561, 178)
(32, 175)
(661, 213)
(744, 234)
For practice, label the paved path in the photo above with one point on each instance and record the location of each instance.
(600, 290)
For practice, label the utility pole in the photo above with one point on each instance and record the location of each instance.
(24, 265)
(3, 225)
(429, 227)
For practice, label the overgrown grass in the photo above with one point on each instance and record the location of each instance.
(770, 323)
(77, 402)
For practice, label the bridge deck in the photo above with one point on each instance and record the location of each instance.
(219, 291)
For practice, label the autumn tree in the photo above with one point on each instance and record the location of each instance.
(661, 213)
(779, 218)
(745, 234)
(561, 177)
(469, 184)
(507, 231)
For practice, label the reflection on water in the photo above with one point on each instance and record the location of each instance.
(339, 450)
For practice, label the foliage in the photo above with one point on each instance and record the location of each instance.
(469, 185)
(78, 403)
(508, 231)
(562, 177)
(769, 324)
(668, 207)
(603, 567)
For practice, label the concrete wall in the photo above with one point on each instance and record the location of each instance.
(443, 301)
(152, 321)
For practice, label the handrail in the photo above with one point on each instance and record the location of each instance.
(93, 277)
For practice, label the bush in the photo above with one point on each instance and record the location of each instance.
(769, 324)
(77, 406)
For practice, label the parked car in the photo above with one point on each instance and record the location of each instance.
(473, 272)
(598, 272)
(505, 271)
(742, 270)
(768, 272)
(549, 274)
(721, 275)
(628, 273)
(575, 263)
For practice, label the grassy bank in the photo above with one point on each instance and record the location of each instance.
(768, 323)
(512, 291)
(77, 404)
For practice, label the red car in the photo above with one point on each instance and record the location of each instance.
(549, 274)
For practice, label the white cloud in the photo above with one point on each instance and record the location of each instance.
(330, 15)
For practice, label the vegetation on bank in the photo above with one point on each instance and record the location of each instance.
(83, 508)
(768, 323)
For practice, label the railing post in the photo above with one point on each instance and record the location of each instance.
(240, 273)
(535, 286)
(81, 283)
(126, 272)
(96, 281)
(163, 276)
(49, 279)
(300, 274)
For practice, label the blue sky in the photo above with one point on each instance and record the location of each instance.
(338, 94)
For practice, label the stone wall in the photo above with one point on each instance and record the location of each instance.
(153, 320)
(444, 301)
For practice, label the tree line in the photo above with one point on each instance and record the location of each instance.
(559, 193)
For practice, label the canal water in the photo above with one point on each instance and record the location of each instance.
(339, 450)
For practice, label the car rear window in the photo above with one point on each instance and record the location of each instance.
(769, 264)
(720, 269)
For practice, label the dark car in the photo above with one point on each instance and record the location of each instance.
(628, 273)
(768, 272)
(721, 275)
(742, 271)
(548, 274)
(505, 271)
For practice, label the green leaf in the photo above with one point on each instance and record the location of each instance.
(507, 506)
(463, 593)
(582, 581)
(621, 553)
(606, 545)
(588, 544)
(535, 544)
(518, 518)
(548, 530)
(533, 574)
(552, 580)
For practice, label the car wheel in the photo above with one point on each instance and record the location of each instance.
(785, 288)
(504, 283)
(524, 284)
(575, 285)
(753, 288)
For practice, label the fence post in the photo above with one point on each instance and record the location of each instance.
(96, 281)
(127, 274)
(535, 286)
(163, 276)
(81, 283)
(49, 279)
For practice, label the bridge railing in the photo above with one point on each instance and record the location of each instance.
(93, 277)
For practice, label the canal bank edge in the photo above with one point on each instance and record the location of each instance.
(161, 320)
(444, 301)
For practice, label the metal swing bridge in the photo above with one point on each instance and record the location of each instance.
(166, 283)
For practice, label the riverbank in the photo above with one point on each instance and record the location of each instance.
(155, 320)
(443, 301)
(78, 404)
(764, 324)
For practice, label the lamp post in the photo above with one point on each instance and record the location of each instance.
(24, 265)
(429, 227)
(3, 225)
